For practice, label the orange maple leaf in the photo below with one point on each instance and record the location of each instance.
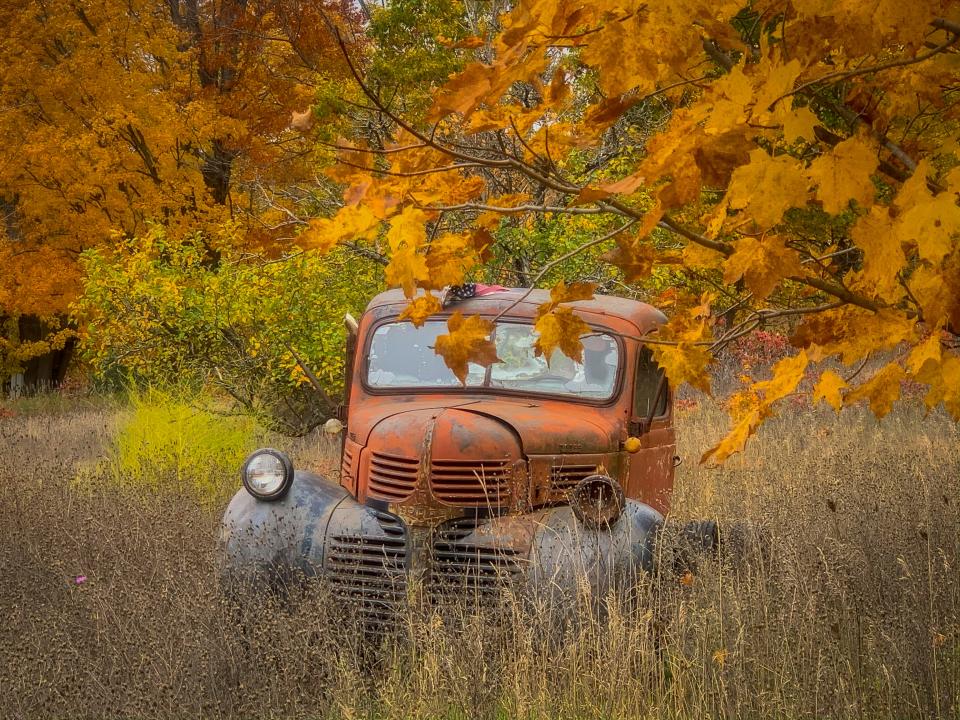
(560, 329)
(468, 341)
(421, 308)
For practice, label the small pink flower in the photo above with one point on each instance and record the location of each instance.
(80, 579)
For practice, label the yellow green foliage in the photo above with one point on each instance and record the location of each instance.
(197, 311)
(166, 441)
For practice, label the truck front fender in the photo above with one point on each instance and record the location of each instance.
(270, 540)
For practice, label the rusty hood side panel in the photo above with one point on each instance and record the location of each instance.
(544, 426)
(551, 427)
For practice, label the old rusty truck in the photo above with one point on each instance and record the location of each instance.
(529, 472)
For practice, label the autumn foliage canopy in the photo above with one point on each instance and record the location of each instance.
(782, 162)
(806, 161)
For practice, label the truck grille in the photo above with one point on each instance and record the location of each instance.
(461, 567)
(369, 572)
(392, 477)
(346, 467)
(471, 482)
(564, 478)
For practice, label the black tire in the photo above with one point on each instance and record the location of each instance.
(684, 545)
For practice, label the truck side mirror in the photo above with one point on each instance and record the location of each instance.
(350, 322)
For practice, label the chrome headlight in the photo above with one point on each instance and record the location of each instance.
(267, 474)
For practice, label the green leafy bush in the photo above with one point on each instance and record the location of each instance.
(201, 312)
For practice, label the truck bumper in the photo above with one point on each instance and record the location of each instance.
(371, 559)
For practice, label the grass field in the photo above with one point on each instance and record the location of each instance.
(110, 605)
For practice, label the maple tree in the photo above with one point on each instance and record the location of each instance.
(803, 156)
(177, 112)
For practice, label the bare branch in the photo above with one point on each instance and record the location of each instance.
(846, 75)
(556, 261)
(516, 209)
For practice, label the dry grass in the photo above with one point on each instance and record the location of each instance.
(853, 613)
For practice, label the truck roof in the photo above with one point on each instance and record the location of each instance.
(602, 310)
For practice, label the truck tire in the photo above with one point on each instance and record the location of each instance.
(683, 545)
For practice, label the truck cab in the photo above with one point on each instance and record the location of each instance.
(535, 471)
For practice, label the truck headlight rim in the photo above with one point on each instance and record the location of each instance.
(597, 501)
(283, 476)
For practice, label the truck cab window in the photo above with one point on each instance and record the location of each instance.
(645, 388)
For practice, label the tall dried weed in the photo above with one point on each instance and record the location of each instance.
(111, 607)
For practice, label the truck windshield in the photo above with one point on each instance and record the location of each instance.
(402, 356)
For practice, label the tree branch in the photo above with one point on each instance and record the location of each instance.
(556, 261)
(846, 75)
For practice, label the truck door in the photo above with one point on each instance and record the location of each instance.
(650, 475)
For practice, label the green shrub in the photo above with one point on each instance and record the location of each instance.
(200, 311)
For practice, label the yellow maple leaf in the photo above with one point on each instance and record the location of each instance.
(787, 374)
(736, 439)
(767, 187)
(447, 188)
(929, 351)
(762, 263)
(463, 92)
(406, 268)
(713, 223)
(448, 258)
(607, 49)
(750, 408)
(563, 292)
(720, 657)
(932, 225)
(915, 191)
(828, 390)
(420, 308)
(353, 222)
(799, 123)
(726, 101)
(467, 341)
(938, 294)
(408, 229)
(853, 332)
(882, 390)
(941, 372)
(883, 256)
(560, 329)
(844, 174)
(778, 81)
(684, 363)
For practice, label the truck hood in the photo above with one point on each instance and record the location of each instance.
(544, 427)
